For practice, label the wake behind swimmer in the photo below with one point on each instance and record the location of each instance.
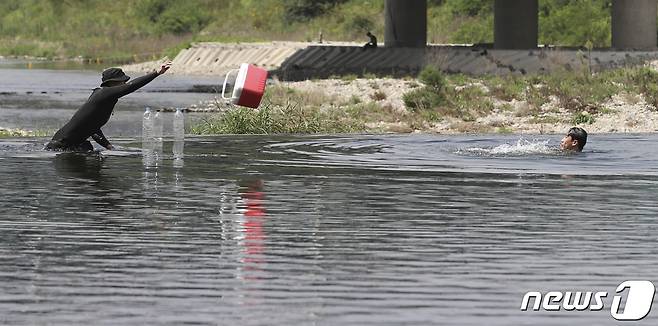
(573, 142)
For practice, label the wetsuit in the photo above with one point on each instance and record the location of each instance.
(93, 115)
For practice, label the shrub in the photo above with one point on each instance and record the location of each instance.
(433, 78)
(422, 99)
(507, 88)
(646, 81)
(430, 96)
(378, 96)
(467, 103)
(305, 10)
(359, 22)
(582, 118)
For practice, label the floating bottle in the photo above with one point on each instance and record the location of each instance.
(147, 138)
(147, 126)
(179, 124)
(158, 133)
(178, 148)
(179, 138)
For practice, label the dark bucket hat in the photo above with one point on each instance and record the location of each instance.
(114, 74)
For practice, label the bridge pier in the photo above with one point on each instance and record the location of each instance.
(406, 23)
(634, 24)
(516, 24)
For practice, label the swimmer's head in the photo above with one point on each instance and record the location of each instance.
(575, 140)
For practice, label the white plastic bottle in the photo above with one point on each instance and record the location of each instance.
(147, 126)
(179, 124)
(157, 125)
(147, 138)
(179, 138)
(158, 131)
(178, 149)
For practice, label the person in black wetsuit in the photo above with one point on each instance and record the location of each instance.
(95, 113)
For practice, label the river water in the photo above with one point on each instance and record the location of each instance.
(324, 230)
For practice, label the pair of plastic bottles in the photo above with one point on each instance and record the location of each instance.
(152, 125)
(152, 135)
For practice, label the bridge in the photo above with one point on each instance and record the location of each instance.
(516, 24)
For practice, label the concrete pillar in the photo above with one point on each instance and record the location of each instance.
(634, 24)
(516, 24)
(406, 23)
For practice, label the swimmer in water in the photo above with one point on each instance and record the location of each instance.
(96, 112)
(574, 141)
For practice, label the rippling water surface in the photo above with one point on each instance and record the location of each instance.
(354, 230)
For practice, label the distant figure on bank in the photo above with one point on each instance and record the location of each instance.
(575, 140)
(96, 112)
(373, 42)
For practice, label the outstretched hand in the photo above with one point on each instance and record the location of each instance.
(165, 66)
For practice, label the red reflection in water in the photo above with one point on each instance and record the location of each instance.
(253, 226)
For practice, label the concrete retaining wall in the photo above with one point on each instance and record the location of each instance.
(322, 62)
(216, 58)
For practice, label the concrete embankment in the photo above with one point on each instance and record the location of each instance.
(218, 58)
(300, 61)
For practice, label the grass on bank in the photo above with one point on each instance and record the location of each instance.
(16, 133)
(580, 94)
(568, 97)
(287, 111)
(289, 119)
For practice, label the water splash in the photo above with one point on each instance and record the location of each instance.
(522, 147)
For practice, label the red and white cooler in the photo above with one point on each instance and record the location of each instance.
(249, 86)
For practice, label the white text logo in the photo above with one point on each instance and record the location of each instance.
(637, 295)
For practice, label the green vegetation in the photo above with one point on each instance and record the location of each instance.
(12, 133)
(121, 30)
(453, 96)
(284, 110)
(583, 118)
(290, 119)
(287, 111)
(431, 95)
(561, 22)
(578, 93)
(126, 30)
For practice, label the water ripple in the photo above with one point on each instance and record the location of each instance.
(357, 230)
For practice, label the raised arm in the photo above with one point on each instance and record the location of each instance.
(137, 83)
(101, 140)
